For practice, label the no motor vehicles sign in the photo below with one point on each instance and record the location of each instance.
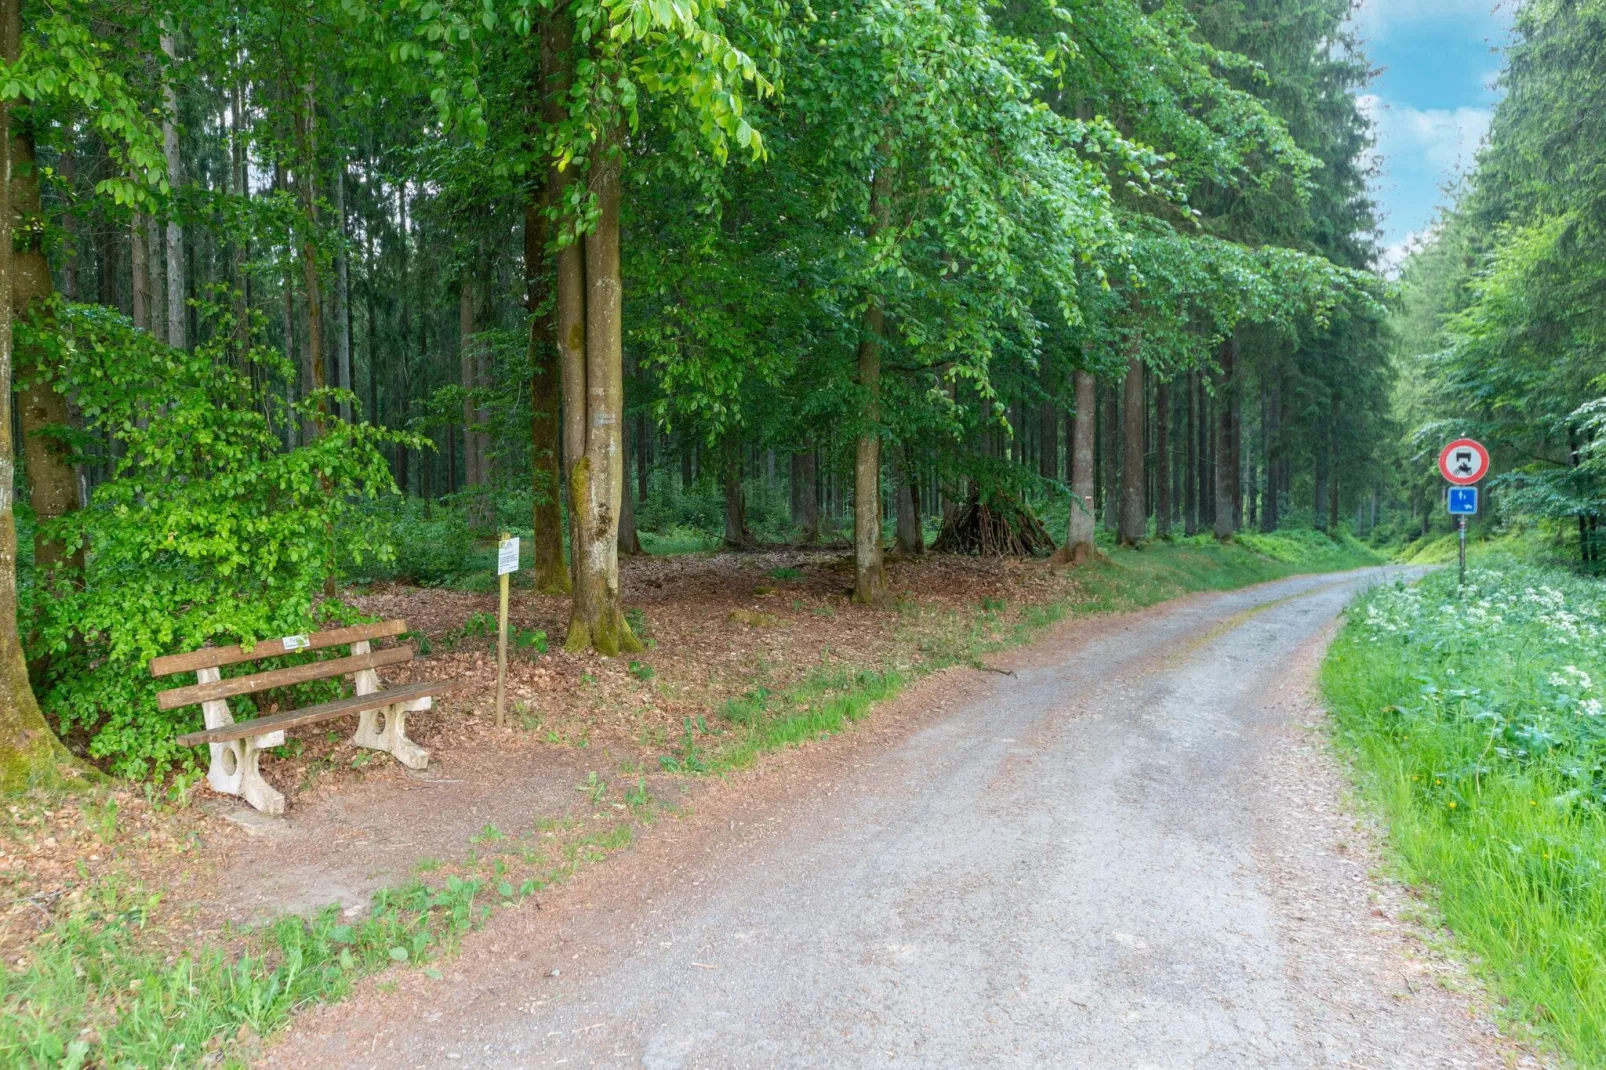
(1464, 462)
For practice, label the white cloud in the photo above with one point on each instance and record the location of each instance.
(1376, 20)
(1445, 139)
(1391, 258)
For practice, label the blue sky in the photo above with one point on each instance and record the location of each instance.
(1432, 102)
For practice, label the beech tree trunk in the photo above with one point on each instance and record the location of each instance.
(629, 538)
(1079, 535)
(737, 536)
(1190, 458)
(1162, 459)
(869, 573)
(1226, 456)
(596, 469)
(29, 751)
(52, 481)
(551, 577)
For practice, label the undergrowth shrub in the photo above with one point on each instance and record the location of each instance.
(209, 531)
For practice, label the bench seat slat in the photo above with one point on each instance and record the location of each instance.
(322, 712)
(295, 674)
(213, 657)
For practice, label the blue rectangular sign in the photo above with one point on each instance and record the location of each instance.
(1463, 501)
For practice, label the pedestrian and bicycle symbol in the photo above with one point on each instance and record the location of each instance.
(1463, 501)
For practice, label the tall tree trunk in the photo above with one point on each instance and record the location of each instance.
(341, 308)
(177, 310)
(907, 536)
(805, 496)
(1110, 456)
(551, 577)
(29, 751)
(69, 224)
(1235, 441)
(472, 477)
(52, 482)
(1133, 523)
(239, 244)
(140, 272)
(869, 575)
(596, 474)
(1190, 459)
(307, 182)
(1162, 459)
(629, 538)
(1318, 505)
(1048, 451)
(1226, 456)
(1273, 439)
(737, 537)
(1079, 536)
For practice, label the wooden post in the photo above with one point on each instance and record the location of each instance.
(507, 562)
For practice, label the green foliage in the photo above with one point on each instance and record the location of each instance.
(1476, 722)
(209, 531)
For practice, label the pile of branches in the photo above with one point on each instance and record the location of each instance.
(998, 526)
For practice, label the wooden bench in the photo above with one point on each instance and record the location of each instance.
(237, 746)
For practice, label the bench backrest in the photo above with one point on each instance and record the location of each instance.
(211, 658)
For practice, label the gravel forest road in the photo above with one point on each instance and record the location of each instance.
(1131, 852)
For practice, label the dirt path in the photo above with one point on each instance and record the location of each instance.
(1131, 852)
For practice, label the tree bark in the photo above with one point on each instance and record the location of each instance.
(1079, 535)
(1133, 523)
(907, 536)
(869, 573)
(1226, 456)
(341, 308)
(177, 310)
(1273, 437)
(1110, 438)
(805, 496)
(472, 477)
(1190, 459)
(629, 538)
(551, 577)
(737, 536)
(29, 752)
(52, 480)
(596, 474)
(1162, 459)
(139, 272)
(307, 182)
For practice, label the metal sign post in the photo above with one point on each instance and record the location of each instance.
(1462, 463)
(507, 563)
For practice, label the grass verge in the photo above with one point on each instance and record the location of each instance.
(1475, 726)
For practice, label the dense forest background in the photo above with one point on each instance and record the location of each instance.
(310, 294)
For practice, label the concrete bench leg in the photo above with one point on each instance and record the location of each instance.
(234, 764)
(386, 729)
(235, 772)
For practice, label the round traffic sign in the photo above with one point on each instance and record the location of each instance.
(1464, 462)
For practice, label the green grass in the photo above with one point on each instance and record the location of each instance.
(1475, 728)
(94, 993)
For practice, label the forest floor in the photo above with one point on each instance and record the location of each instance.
(747, 653)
